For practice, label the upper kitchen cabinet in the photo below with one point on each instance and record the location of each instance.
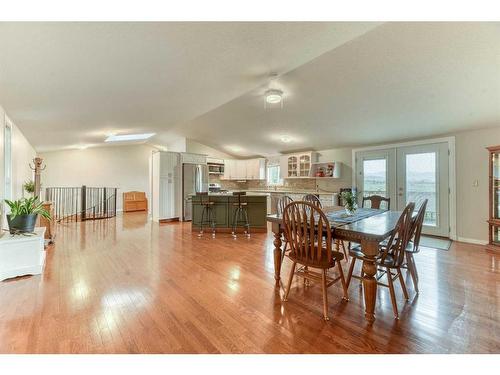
(330, 169)
(250, 169)
(297, 165)
(256, 169)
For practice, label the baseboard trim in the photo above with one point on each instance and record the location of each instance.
(472, 241)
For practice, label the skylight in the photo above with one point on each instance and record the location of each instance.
(128, 137)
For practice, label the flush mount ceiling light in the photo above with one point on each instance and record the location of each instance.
(274, 96)
(285, 139)
(128, 137)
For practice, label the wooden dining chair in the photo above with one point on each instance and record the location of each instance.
(280, 207)
(313, 199)
(305, 227)
(376, 201)
(391, 258)
(413, 245)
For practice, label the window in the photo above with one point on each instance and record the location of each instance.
(421, 183)
(375, 177)
(8, 159)
(273, 175)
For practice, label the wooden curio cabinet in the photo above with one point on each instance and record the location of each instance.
(494, 218)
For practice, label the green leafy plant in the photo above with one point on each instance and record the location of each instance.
(29, 186)
(350, 200)
(27, 206)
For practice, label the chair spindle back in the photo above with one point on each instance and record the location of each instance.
(400, 237)
(376, 201)
(418, 223)
(313, 199)
(305, 224)
(282, 203)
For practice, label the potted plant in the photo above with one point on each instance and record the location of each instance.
(29, 186)
(350, 202)
(23, 214)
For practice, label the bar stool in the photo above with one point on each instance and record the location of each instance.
(240, 214)
(208, 212)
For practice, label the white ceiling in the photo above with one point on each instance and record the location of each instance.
(70, 84)
(345, 84)
(399, 81)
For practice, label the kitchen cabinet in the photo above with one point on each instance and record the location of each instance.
(297, 165)
(193, 158)
(330, 169)
(224, 211)
(249, 169)
(228, 169)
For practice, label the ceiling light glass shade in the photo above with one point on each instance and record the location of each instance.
(285, 139)
(129, 137)
(274, 96)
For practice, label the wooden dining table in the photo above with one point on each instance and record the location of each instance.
(368, 231)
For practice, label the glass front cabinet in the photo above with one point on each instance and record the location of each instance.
(298, 165)
(494, 191)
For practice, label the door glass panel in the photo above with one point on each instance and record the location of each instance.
(375, 177)
(421, 184)
(496, 185)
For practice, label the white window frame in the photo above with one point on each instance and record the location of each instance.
(280, 180)
(451, 172)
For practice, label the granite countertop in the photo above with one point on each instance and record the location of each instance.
(285, 191)
(230, 194)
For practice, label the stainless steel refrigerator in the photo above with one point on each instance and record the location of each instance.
(194, 180)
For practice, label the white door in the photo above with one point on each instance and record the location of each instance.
(376, 173)
(422, 173)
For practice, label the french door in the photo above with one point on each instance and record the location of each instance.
(409, 174)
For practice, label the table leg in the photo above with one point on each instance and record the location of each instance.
(277, 252)
(370, 250)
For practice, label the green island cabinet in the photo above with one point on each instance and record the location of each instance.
(224, 210)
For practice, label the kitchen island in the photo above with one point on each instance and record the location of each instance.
(224, 211)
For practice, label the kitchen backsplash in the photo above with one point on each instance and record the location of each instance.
(289, 184)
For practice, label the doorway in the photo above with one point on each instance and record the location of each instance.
(410, 173)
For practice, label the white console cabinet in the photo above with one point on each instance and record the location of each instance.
(22, 255)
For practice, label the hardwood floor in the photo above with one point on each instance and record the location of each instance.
(129, 286)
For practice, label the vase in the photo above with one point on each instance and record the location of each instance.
(350, 210)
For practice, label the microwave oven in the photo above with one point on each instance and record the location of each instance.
(215, 168)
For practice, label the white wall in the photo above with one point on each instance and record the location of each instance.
(124, 167)
(343, 155)
(22, 154)
(471, 165)
(198, 148)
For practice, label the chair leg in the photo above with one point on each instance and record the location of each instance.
(212, 221)
(410, 261)
(235, 217)
(201, 222)
(349, 275)
(403, 286)
(290, 279)
(325, 296)
(247, 223)
(393, 294)
(345, 251)
(342, 280)
(284, 251)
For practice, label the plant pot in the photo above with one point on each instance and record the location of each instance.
(22, 223)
